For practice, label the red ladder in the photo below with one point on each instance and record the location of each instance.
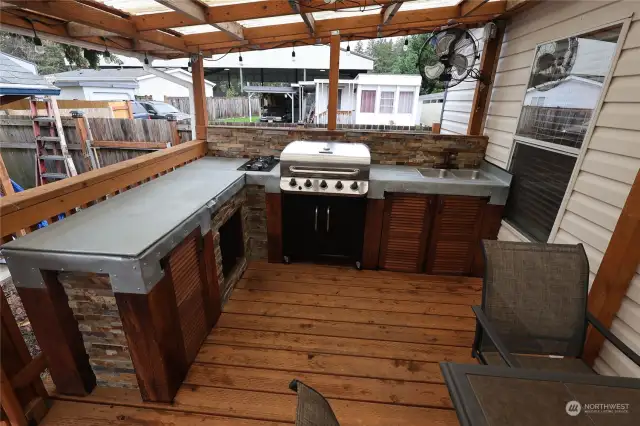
(53, 161)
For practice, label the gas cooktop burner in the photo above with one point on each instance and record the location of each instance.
(260, 164)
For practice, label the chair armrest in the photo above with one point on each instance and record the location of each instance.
(491, 332)
(619, 344)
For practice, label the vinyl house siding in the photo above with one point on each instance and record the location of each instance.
(612, 157)
(457, 107)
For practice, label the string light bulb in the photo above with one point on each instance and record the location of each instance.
(240, 58)
(348, 48)
(190, 64)
(406, 45)
(146, 60)
(293, 54)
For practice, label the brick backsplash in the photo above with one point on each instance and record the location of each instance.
(405, 147)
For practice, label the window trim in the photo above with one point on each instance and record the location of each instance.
(393, 101)
(625, 24)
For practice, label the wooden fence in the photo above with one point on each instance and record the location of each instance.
(220, 107)
(17, 142)
(105, 109)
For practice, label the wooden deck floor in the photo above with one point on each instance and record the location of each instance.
(369, 341)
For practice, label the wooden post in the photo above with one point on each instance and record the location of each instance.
(200, 99)
(175, 135)
(616, 271)
(334, 75)
(58, 336)
(10, 404)
(83, 135)
(152, 326)
(482, 93)
(372, 233)
(129, 109)
(5, 181)
(274, 227)
(435, 128)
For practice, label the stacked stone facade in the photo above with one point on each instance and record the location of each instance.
(94, 307)
(257, 222)
(226, 211)
(414, 148)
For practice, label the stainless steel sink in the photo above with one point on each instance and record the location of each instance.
(436, 173)
(469, 174)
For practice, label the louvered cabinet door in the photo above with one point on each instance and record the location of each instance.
(407, 220)
(455, 235)
(188, 286)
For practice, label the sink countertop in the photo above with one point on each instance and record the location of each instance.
(408, 179)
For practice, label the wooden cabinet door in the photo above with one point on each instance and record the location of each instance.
(405, 231)
(455, 235)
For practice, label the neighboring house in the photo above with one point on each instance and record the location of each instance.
(390, 99)
(573, 170)
(121, 84)
(19, 79)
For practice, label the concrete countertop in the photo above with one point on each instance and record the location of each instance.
(408, 179)
(394, 179)
(130, 223)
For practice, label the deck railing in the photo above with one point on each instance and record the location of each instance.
(25, 210)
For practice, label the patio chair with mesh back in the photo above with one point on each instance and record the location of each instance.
(313, 409)
(534, 303)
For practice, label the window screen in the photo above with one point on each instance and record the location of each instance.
(540, 179)
(386, 102)
(368, 101)
(405, 103)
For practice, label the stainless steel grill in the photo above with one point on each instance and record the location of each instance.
(333, 168)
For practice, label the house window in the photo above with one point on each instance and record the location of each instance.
(405, 103)
(386, 102)
(368, 101)
(339, 98)
(565, 85)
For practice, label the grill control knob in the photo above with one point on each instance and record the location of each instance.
(323, 184)
(307, 184)
(292, 182)
(354, 186)
(339, 185)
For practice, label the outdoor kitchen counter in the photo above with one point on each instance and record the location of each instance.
(385, 178)
(408, 179)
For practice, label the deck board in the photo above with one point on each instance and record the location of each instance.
(370, 341)
(346, 329)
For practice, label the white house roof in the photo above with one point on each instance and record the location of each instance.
(124, 75)
(307, 57)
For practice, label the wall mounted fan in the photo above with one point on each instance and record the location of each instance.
(553, 63)
(447, 58)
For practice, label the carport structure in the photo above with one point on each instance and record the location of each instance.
(193, 28)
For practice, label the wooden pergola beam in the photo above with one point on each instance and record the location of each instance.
(97, 18)
(241, 12)
(389, 12)
(188, 8)
(402, 21)
(468, 6)
(308, 18)
(197, 13)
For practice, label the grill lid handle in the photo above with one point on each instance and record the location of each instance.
(342, 172)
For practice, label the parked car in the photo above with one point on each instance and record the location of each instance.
(139, 111)
(160, 110)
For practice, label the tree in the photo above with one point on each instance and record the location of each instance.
(359, 47)
(56, 57)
